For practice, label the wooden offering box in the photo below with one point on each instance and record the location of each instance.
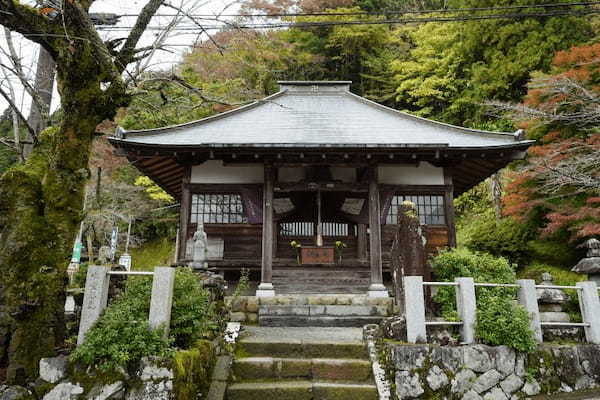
(317, 255)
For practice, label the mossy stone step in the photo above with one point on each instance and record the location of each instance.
(317, 369)
(301, 390)
(299, 349)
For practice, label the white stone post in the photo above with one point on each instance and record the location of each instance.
(95, 298)
(589, 303)
(414, 305)
(162, 298)
(466, 306)
(528, 299)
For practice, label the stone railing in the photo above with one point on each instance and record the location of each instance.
(95, 298)
(416, 323)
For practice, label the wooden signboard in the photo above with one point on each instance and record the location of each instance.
(317, 255)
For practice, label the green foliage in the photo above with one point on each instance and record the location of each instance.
(153, 190)
(152, 254)
(563, 277)
(454, 67)
(243, 284)
(121, 337)
(192, 369)
(499, 320)
(504, 237)
(194, 316)
(79, 277)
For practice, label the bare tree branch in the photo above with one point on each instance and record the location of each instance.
(28, 22)
(128, 50)
(12, 104)
(173, 78)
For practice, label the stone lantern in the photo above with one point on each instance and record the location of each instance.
(551, 301)
(590, 265)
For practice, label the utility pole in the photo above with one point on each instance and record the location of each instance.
(44, 83)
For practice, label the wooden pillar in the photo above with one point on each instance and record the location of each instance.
(361, 242)
(449, 207)
(184, 213)
(265, 288)
(376, 289)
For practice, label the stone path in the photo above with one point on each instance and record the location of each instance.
(301, 363)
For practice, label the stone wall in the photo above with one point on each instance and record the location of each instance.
(491, 373)
(245, 308)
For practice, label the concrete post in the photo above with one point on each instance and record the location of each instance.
(528, 298)
(589, 303)
(162, 298)
(95, 298)
(414, 303)
(466, 306)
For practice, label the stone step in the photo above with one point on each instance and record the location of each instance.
(301, 390)
(325, 310)
(300, 321)
(298, 349)
(254, 368)
(322, 315)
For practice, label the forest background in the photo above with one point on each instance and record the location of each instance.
(540, 74)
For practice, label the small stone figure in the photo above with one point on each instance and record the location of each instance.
(200, 253)
(590, 265)
(104, 255)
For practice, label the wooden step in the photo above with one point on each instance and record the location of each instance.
(321, 280)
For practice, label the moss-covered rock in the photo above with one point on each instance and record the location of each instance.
(192, 369)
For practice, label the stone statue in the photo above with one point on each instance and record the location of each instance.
(104, 255)
(200, 253)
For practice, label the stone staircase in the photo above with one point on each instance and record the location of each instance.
(323, 310)
(301, 364)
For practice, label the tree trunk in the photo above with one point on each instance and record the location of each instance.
(496, 193)
(40, 214)
(43, 85)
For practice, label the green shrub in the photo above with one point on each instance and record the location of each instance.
(500, 321)
(121, 337)
(505, 237)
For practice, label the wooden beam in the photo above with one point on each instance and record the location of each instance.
(184, 213)
(324, 187)
(449, 208)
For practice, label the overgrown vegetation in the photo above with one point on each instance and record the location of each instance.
(499, 320)
(121, 337)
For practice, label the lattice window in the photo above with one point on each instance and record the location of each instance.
(330, 229)
(430, 208)
(212, 208)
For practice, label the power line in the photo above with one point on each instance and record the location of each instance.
(383, 13)
(514, 16)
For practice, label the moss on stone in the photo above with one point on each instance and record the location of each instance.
(192, 371)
